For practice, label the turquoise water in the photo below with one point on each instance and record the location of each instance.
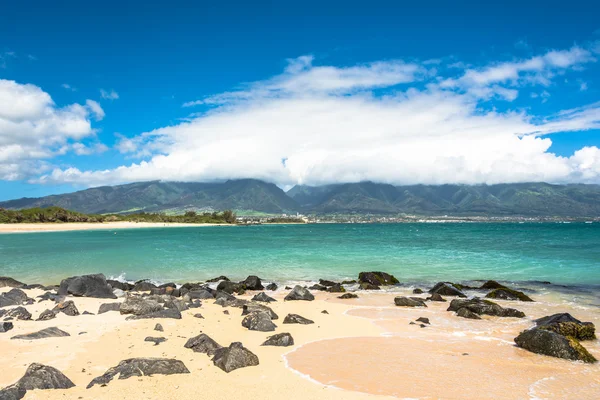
(560, 253)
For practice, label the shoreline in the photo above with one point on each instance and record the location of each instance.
(90, 226)
(362, 349)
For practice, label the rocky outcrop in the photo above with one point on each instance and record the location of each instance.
(377, 278)
(43, 334)
(265, 298)
(37, 377)
(6, 281)
(402, 301)
(447, 289)
(297, 319)
(202, 344)
(508, 294)
(348, 296)
(299, 293)
(479, 307)
(106, 307)
(87, 286)
(259, 321)
(281, 340)
(567, 325)
(141, 367)
(541, 341)
(252, 283)
(67, 308)
(233, 357)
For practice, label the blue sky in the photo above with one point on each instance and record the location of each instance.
(342, 91)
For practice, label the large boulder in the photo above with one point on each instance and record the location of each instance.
(297, 319)
(141, 367)
(38, 377)
(67, 308)
(402, 301)
(508, 294)
(281, 340)
(233, 357)
(567, 325)
(299, 293)
(202, 344)
(87, 286)
(446, 289)
(377, 278)
(479, 307)
(43, 334)
(6, 281)
(259, 321)
(139, 306)
(252, 283)
(541, 341)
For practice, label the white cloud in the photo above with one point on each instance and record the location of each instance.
(68, 87)
(109, 94)
(95, 109)
(33, 128)
(335, 124)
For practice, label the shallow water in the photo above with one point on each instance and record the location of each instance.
(561, 253)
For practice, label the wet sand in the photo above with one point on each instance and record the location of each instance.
(364, 348)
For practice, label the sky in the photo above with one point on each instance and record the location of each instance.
(306, 93)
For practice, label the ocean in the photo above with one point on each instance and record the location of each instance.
(564, 254)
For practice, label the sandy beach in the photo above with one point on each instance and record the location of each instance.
(77, 226)
(363, 348)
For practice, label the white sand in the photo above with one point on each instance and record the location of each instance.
(381, 354)
(81, 226)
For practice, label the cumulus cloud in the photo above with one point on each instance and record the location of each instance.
(389, 121)
(109, 94)
(34, 129)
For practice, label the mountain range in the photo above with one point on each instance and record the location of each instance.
(519, 199)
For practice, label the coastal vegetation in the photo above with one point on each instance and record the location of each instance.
(60, 215)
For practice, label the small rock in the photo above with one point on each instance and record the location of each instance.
(447, 289)
(106, 307)
(218, 278)
(296, 319)
(158, 327)
(263, 297)
(324, 312)
(5, 326)
(299, 293)
(377, 278)
(67, 307)
(423, 320)
(19, 313)
(202, 344)
(226, 312)
(271, 286)
(336, 288)
(44, 333)
(508, 294)
(198, 315)
(281, 339)
(46, 315)
(348, 296)
(466, 313)
(253, 283)
(155, 340)
(259, 321)
(166, 313)
(251, 307)
(435, 297)
(402, 301)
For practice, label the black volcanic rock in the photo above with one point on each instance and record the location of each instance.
(299, 293)
(141, 367)
(37, 377)
(67, 308)
(87, 286)
(567, 325)
(377, 278)
(271, 286)
(259, 321)
(281, 339)
(5, 326)
(43, 334)
(233, 357)
(348, 296)
(19, 313)
(297, 319)
(446, 289)
(202, 344)
(402, 301)
(6, 281)
(552, 344)
(263, 297)
(508, 294)
(46, 315)
(106, 307)
(231, 287)
(254, 307)
(252, 283)
(479, 306)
